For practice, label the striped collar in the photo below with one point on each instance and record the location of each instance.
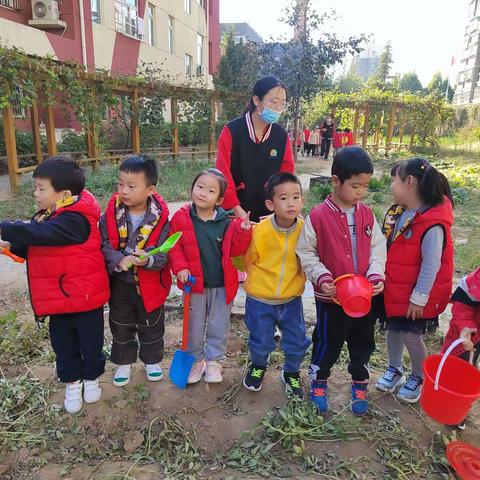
(251, 130)
(333, 206)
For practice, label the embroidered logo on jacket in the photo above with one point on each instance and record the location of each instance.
(273, 152)
(368, 231)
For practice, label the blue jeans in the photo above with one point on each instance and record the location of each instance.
(261, 320)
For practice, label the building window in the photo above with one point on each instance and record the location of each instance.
(187, 5)
(95, 8)
(127, 20)
(14, 4)
(171, 34)
(188, 65)
(200, 49)
(151, 24)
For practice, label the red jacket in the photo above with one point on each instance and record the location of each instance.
(465, 314)
(334, 244)
(350, 140)
(154, 285)
(186, 255)
(337, 139)
(71, 278)
(404, 259)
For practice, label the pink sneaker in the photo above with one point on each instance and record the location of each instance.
(213, 372)
(197, 371)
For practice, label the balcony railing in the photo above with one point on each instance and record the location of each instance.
(127, 21)
(13, 4)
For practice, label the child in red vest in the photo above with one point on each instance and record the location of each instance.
(210, 238)
(347, 140)
(338, 138)
(465, 321)
(66, 274)
(419, 269)
(341, 236)
(136, 221)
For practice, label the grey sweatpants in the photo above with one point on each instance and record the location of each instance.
(208, 324)
(415, 346)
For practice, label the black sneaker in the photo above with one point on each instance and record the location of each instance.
(293, 384)
(254, 377)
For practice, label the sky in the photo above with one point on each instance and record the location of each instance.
(425, 34)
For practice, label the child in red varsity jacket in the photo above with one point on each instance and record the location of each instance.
(136, 221)
(341, 236)
(210, 237)
(66, 274)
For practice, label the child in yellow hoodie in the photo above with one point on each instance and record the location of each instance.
(274, 286)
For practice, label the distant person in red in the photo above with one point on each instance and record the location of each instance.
(339, 139)
(348, 138)
(253, 147)
(306, 140)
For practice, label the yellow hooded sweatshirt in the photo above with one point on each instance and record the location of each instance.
(273, 267)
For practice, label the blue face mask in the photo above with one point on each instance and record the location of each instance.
(268, 115)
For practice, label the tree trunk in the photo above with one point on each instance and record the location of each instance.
(296, 118)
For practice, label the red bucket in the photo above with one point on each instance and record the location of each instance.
(354, 295)
(450, 387)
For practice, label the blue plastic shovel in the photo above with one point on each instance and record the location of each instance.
(182, 361)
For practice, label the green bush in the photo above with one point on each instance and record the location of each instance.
(72, 142)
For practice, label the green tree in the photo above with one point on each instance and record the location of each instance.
(438, 86)
(384, 67)
(234, 74)
(349, 83)
(409, 82)
(302, 62)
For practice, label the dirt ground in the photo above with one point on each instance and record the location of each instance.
(149, 431)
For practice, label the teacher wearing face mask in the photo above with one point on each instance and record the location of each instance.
(254, 147)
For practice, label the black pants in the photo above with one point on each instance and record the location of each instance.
(325, 150)
(77, 340)
(128, 321)
(333, 329)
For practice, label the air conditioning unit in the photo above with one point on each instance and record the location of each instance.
(45, 14)
(201, 70)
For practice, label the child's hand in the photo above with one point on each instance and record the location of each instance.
(126, 262)
(136, 258)
(246, 224)
(378, 288)
(466, 334)
(5, 244)
(328, 289)
(415, 312)
(183, 275)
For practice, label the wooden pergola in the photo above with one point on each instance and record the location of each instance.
(176, 94)
(397, 113)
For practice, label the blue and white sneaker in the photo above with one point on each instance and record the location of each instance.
(359, 405)
(410, 392)
(390, 380)
(318, 395)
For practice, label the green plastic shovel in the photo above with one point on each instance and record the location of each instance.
(165, 247)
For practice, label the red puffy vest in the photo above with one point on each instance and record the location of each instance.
(186, 255)
(154, 285)
(404, 259)
(70, 278)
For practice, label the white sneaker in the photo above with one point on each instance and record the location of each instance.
(213, 372)
(73, 397)
(197, 371)
(154, 372)
(91, 391)
(121, 377)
